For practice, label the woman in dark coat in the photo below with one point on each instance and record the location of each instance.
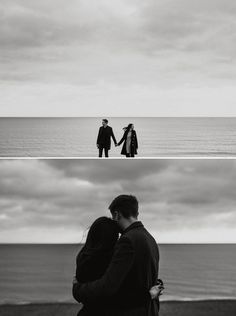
(130, 140)
(94, 258)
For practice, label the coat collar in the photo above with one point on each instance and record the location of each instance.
(137, 224)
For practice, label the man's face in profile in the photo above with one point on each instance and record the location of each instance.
(116, 218)
(104, 124)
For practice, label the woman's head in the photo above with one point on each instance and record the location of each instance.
(94, 258)
(102, 235)
(129, 127)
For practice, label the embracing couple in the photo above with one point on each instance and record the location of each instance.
(118, 276)
(129, 139)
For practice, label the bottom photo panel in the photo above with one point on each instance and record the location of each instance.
(118, 237)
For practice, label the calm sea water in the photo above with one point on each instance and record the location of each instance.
(43, 273)
(76, 137)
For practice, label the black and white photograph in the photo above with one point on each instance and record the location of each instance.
(167, 67)
(117, 158)
(127, 231)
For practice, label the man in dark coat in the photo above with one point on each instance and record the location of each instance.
(133, 269)
(104, 138)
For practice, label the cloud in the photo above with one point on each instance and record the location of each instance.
(111, 171)
(176, 196)
(63, 58)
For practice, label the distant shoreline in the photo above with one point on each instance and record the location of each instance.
(168, 308)
(163, 301)
(121, 117)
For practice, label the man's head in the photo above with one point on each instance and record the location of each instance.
(124, 210)
(104, 122)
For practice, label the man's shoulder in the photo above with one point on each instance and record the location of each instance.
(124, 244)
(126, 239)
(140, 236)
(133, 234)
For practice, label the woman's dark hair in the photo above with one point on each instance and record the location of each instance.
(127, 205)
(102, 235)
(127, 128)
(96, 254)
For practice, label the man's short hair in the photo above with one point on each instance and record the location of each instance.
(105, 120)
(127, 205)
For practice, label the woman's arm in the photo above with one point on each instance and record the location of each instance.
(122, 139)
(111, 281)
(136, 139)
(113, 137)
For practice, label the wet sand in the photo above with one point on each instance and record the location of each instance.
(172, 308)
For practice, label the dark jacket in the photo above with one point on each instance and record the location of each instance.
(132, 272)
(134, 143)
(104, 137)
(91, 266)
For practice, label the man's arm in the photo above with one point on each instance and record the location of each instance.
(113, 278)
(113, 136)
(98, 138)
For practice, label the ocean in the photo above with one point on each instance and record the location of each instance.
(43, 273)
(158, 137)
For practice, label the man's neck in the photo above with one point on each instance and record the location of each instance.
(129, 222)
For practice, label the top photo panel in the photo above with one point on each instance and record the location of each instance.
(118, 137)
(162, 74)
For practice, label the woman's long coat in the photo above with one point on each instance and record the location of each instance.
(133, 145)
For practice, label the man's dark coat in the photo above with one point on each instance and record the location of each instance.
(104, 137)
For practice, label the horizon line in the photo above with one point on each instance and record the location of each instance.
(159, 243)
(121, 116)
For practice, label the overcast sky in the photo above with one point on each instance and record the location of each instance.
(117, 58)
(57, 200)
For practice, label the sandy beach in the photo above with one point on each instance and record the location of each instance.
(172, 308)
